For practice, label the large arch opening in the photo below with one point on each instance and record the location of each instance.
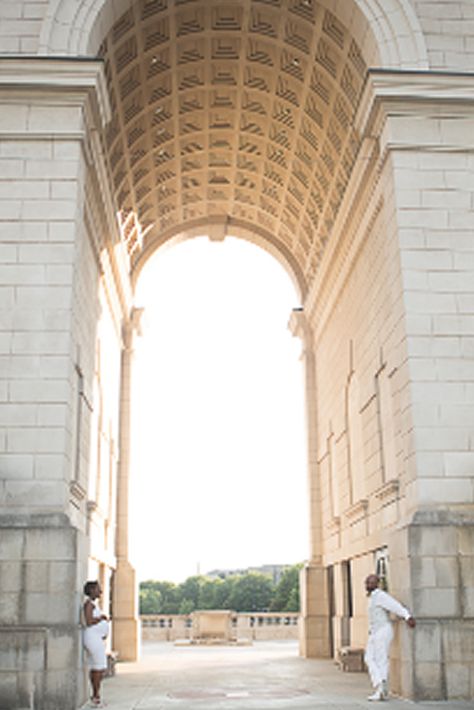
(218, 451)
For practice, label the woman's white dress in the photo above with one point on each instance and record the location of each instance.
(94, 641)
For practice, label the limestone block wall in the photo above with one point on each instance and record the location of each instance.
(20, 25)
(448, 28)
(435, 197)
(432, 555)
(361, 367)
(104, 436)
(38, 230)
(401, 477)
(39, 634)
(39, 551)
(49, 307)
(436, 555)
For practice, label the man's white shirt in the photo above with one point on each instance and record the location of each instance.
(381, 605)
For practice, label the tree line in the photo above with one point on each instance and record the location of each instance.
(249, 592)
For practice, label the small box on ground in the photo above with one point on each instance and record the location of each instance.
(351, 659)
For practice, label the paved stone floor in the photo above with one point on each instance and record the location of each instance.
(265, 676)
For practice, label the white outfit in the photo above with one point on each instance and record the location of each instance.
(381, 605)
(93, 639)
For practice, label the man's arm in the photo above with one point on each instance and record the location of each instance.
(394, 607)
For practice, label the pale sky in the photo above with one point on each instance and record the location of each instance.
(219, 473)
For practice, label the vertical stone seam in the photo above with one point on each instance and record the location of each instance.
(443, 682)
(459, 579)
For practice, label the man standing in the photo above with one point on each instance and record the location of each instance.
(381, 605)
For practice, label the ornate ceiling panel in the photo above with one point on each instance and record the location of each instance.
(235, 110)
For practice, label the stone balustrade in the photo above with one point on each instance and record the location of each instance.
(252, 626)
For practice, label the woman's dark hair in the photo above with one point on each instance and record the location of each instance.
(89, 587)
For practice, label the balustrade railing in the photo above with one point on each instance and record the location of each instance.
(261, 626)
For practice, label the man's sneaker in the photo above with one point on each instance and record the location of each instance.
(385, 689)
(378, 695)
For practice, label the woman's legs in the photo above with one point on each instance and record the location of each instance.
(96, 678)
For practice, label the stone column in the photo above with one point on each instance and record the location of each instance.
(126, 623)
(50, 110)
(314, 631)
(424, 125)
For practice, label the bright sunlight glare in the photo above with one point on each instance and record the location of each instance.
(218, 440)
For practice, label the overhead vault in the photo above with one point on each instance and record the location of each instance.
(238, 115)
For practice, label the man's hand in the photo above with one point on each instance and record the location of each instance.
(411, 622)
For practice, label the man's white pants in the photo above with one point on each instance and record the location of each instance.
(377, 654)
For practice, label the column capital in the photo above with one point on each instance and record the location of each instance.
(132, 327)
(56, 81)
(299, 327)
(409, 94)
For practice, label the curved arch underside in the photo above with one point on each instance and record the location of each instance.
(236, 111)
(217, 229)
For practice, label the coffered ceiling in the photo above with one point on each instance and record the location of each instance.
(237, 112)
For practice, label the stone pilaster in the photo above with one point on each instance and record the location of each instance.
(314, 632)
(126, 623)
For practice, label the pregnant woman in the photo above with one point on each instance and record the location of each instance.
(95, 632)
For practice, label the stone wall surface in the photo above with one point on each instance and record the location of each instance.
(20, 25)
(48, 315)
(448, 29)
(37, 229)
(39, 614)
(392, 331)
(432, 564)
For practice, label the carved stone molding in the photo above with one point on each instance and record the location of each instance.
(358, 511)
(388, 492)
(334, 526)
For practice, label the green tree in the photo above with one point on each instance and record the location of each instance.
(286, 596)
(186, 606)
(167, 591)
(190, 589)
(247, 592)
(207, 593)
(150, 601)
(251, 592)
(223, 590)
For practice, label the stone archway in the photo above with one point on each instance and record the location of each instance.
(236, 117)
(313, 128)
